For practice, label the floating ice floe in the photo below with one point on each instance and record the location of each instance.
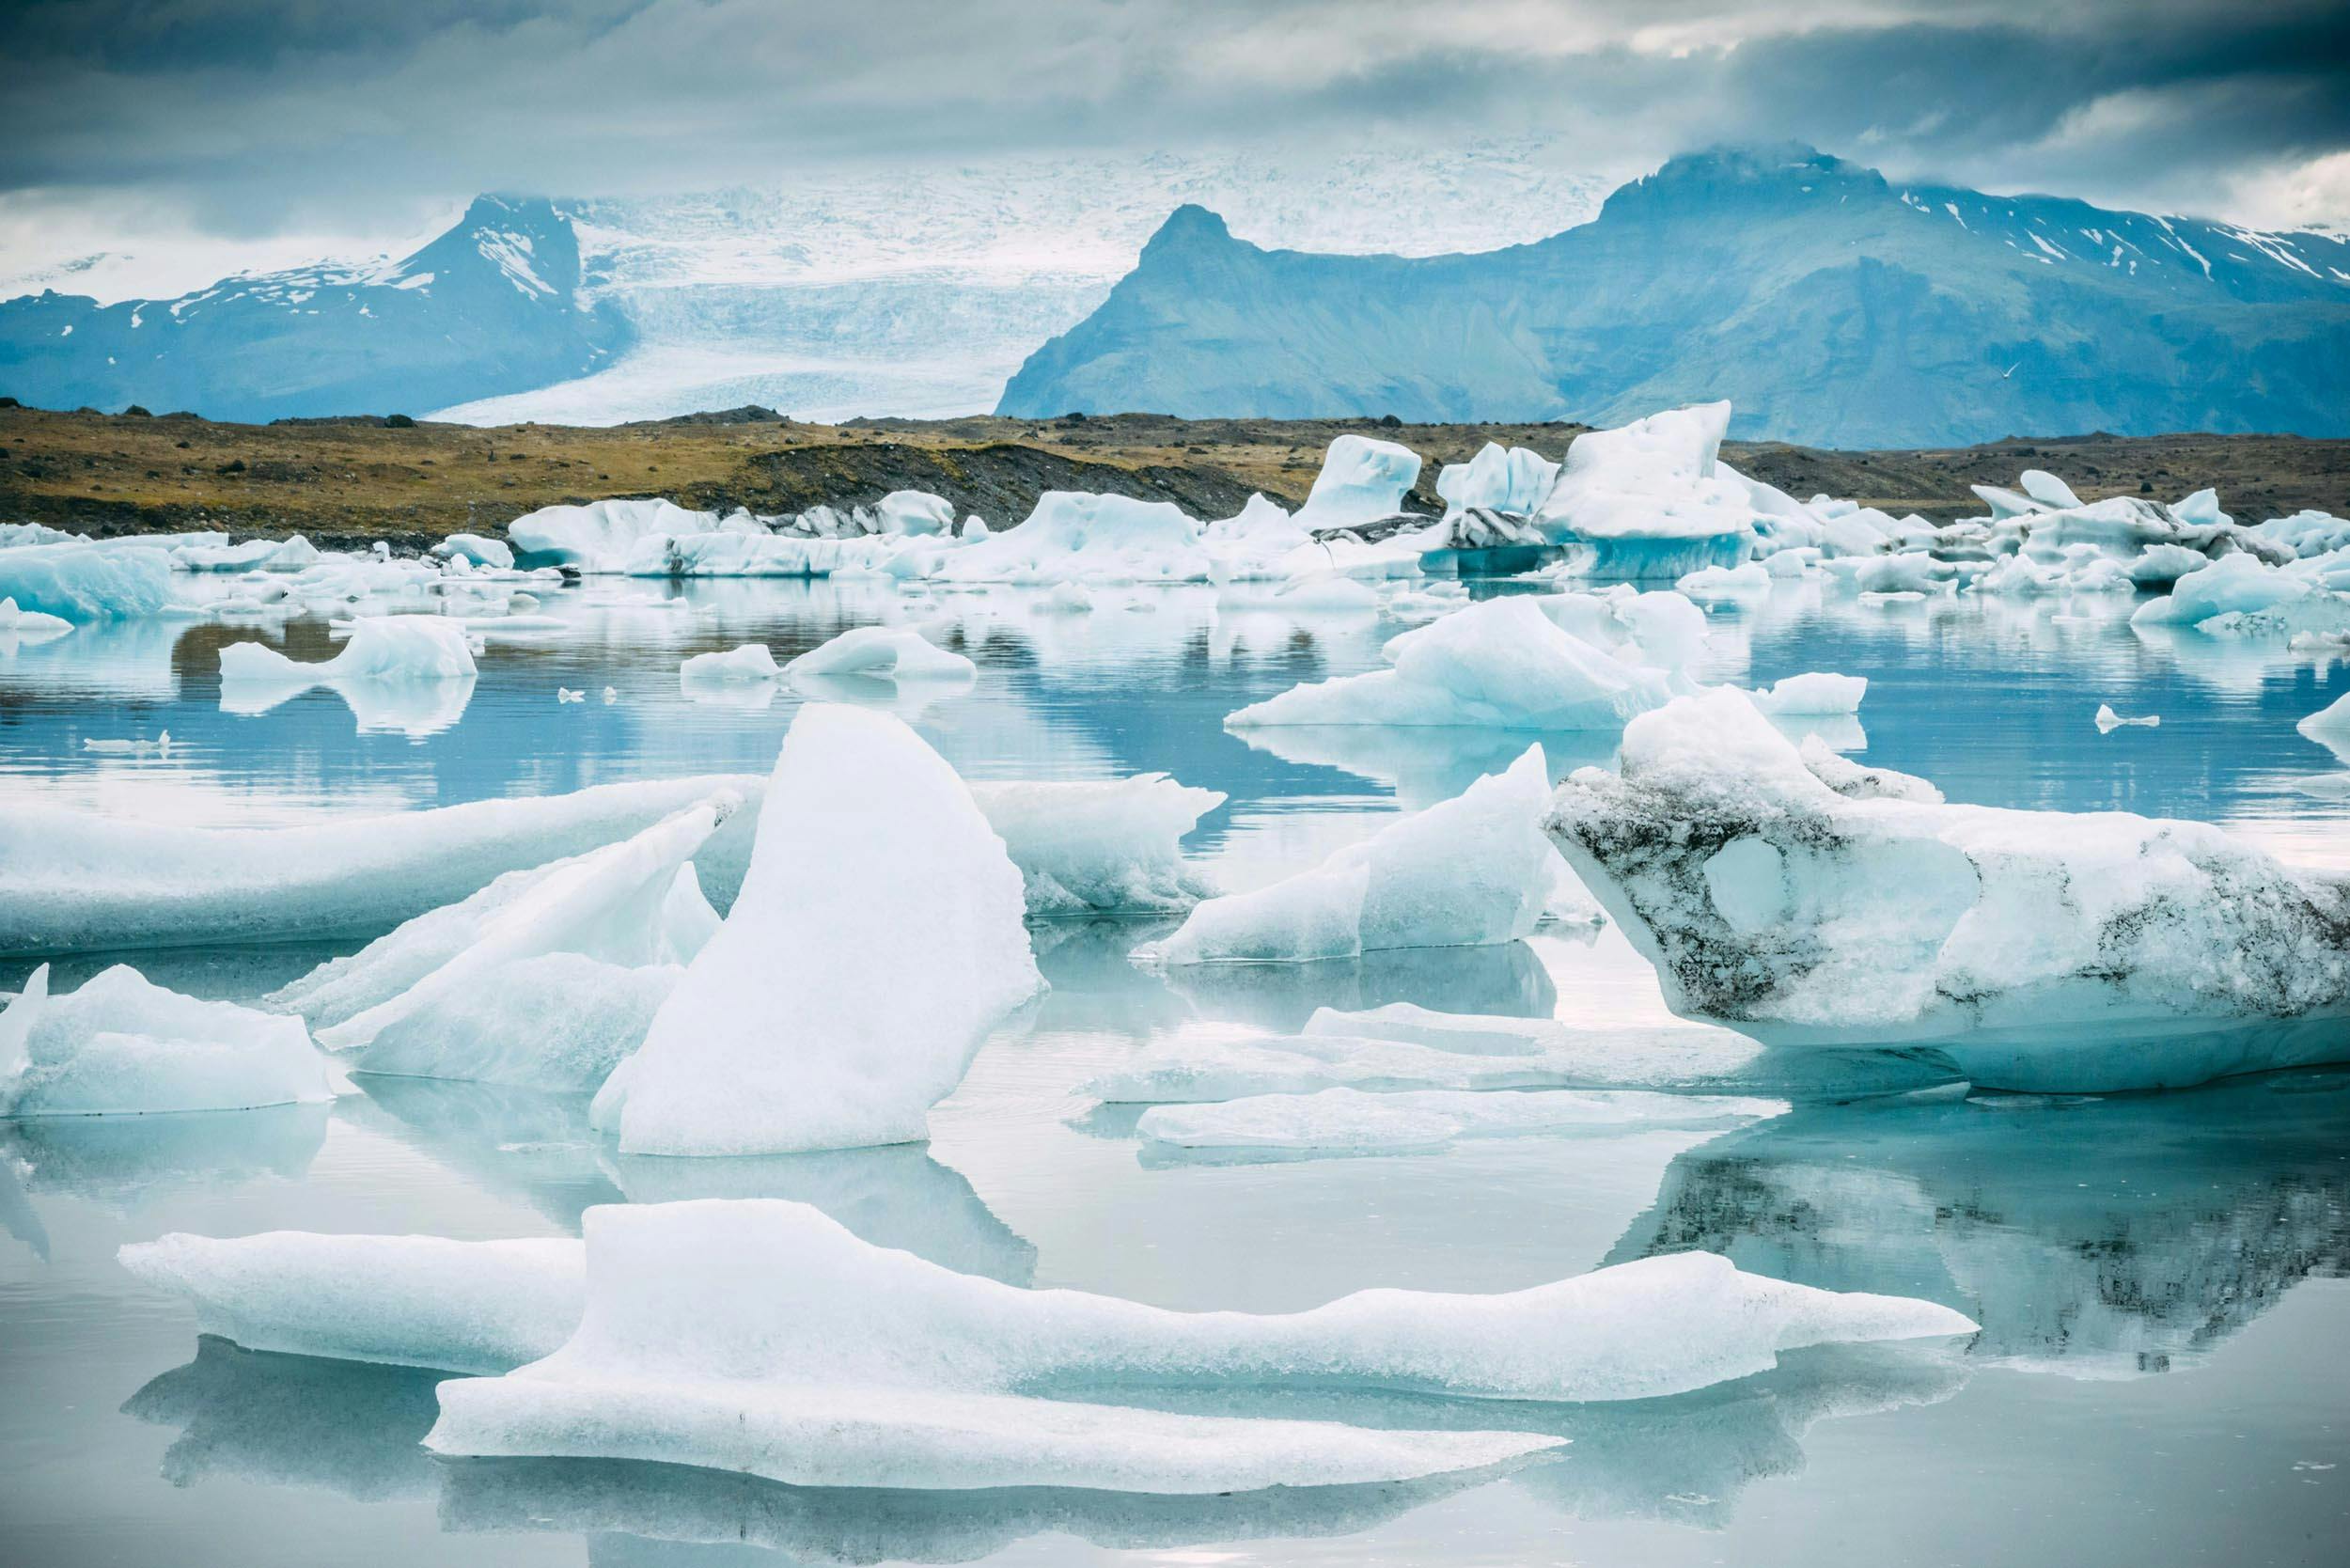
(1078, 535)
(1509, 480)
(30, 625)
(159, 747)
(80, 581)
(602, 537)
(2109, 721)
(547, 978)
(1506, 664)
(569, 693)
(1403, 1047)
(408, 672)
(1349, 1120)
(892, 652)
(1362, 481)
(2242, 594)
(1730, 582)
(799, 1026)
(2035, 949)
(760, 1337)
(1472, 870)
(1649, 500)
(1089, 848)
(76, 880)
(120, 1045)
(752, 661)
(1813, 696)
(474, 548)
(2331, 720)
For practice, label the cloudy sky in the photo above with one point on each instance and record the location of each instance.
(239, 129)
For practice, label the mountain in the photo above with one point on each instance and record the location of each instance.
(918, 293)
(1831, 307)
(491, 306)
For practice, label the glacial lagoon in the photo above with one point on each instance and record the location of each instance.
(2157, 1277)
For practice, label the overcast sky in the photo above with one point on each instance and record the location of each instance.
(229, 124)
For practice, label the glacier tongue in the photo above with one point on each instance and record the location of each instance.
(2036, 949)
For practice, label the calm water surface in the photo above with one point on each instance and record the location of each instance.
(2159, 1378)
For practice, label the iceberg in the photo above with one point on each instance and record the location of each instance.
(1362, 481)
(559, 1022)
(1403, 1047)
(2108, 721)
(1731, 582)
(1108, 847)
(894, 652)
(2331, 720)
(2034, 950)
(382, 648)
(1650, 499)
(606, 536)
(80, 581)
(1078, 535)
(1472, 870)
(121, 1046)
(1512, 481)
(634, 902)
(760, 1337)
(1813, 696)
(30, 625)
(477, 551)
(750, 662)
(81, 882)
(806, 1022)
(405, 1301)
(1349, 1120)
(1505, 663)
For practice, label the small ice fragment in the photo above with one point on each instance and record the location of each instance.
(2109, 721)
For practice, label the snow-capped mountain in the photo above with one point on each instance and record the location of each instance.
(493, 306)
(916, 294)
(1831, 307)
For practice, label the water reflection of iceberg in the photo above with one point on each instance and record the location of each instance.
(346, 1427)
(411, 707)
(1502, 977)
(895, 1196)
(115, 1160)
(524, 1142)
(642, 1513)
(2092, 1237)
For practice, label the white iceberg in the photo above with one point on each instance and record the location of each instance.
(1472, 870)
(407, 1301)
(806, 1022)
(1504, 663)
(1112, 846)
(548, 978)
(2035, 949)
(1078, 535)
(382, 648)
(1362, 481)
(1813, 696)
(80, 581)
(1349, 1120)
(1403, 1047)
(2109, 721)
(121, 1046)
(604, 536)
(477, 551)
(80, 880)
(30, 625)
(893, 653)
(1509, 480)
(752, 661)
(1649, 499)
(760, 1337)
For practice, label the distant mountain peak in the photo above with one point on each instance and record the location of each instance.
(1190, 224)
